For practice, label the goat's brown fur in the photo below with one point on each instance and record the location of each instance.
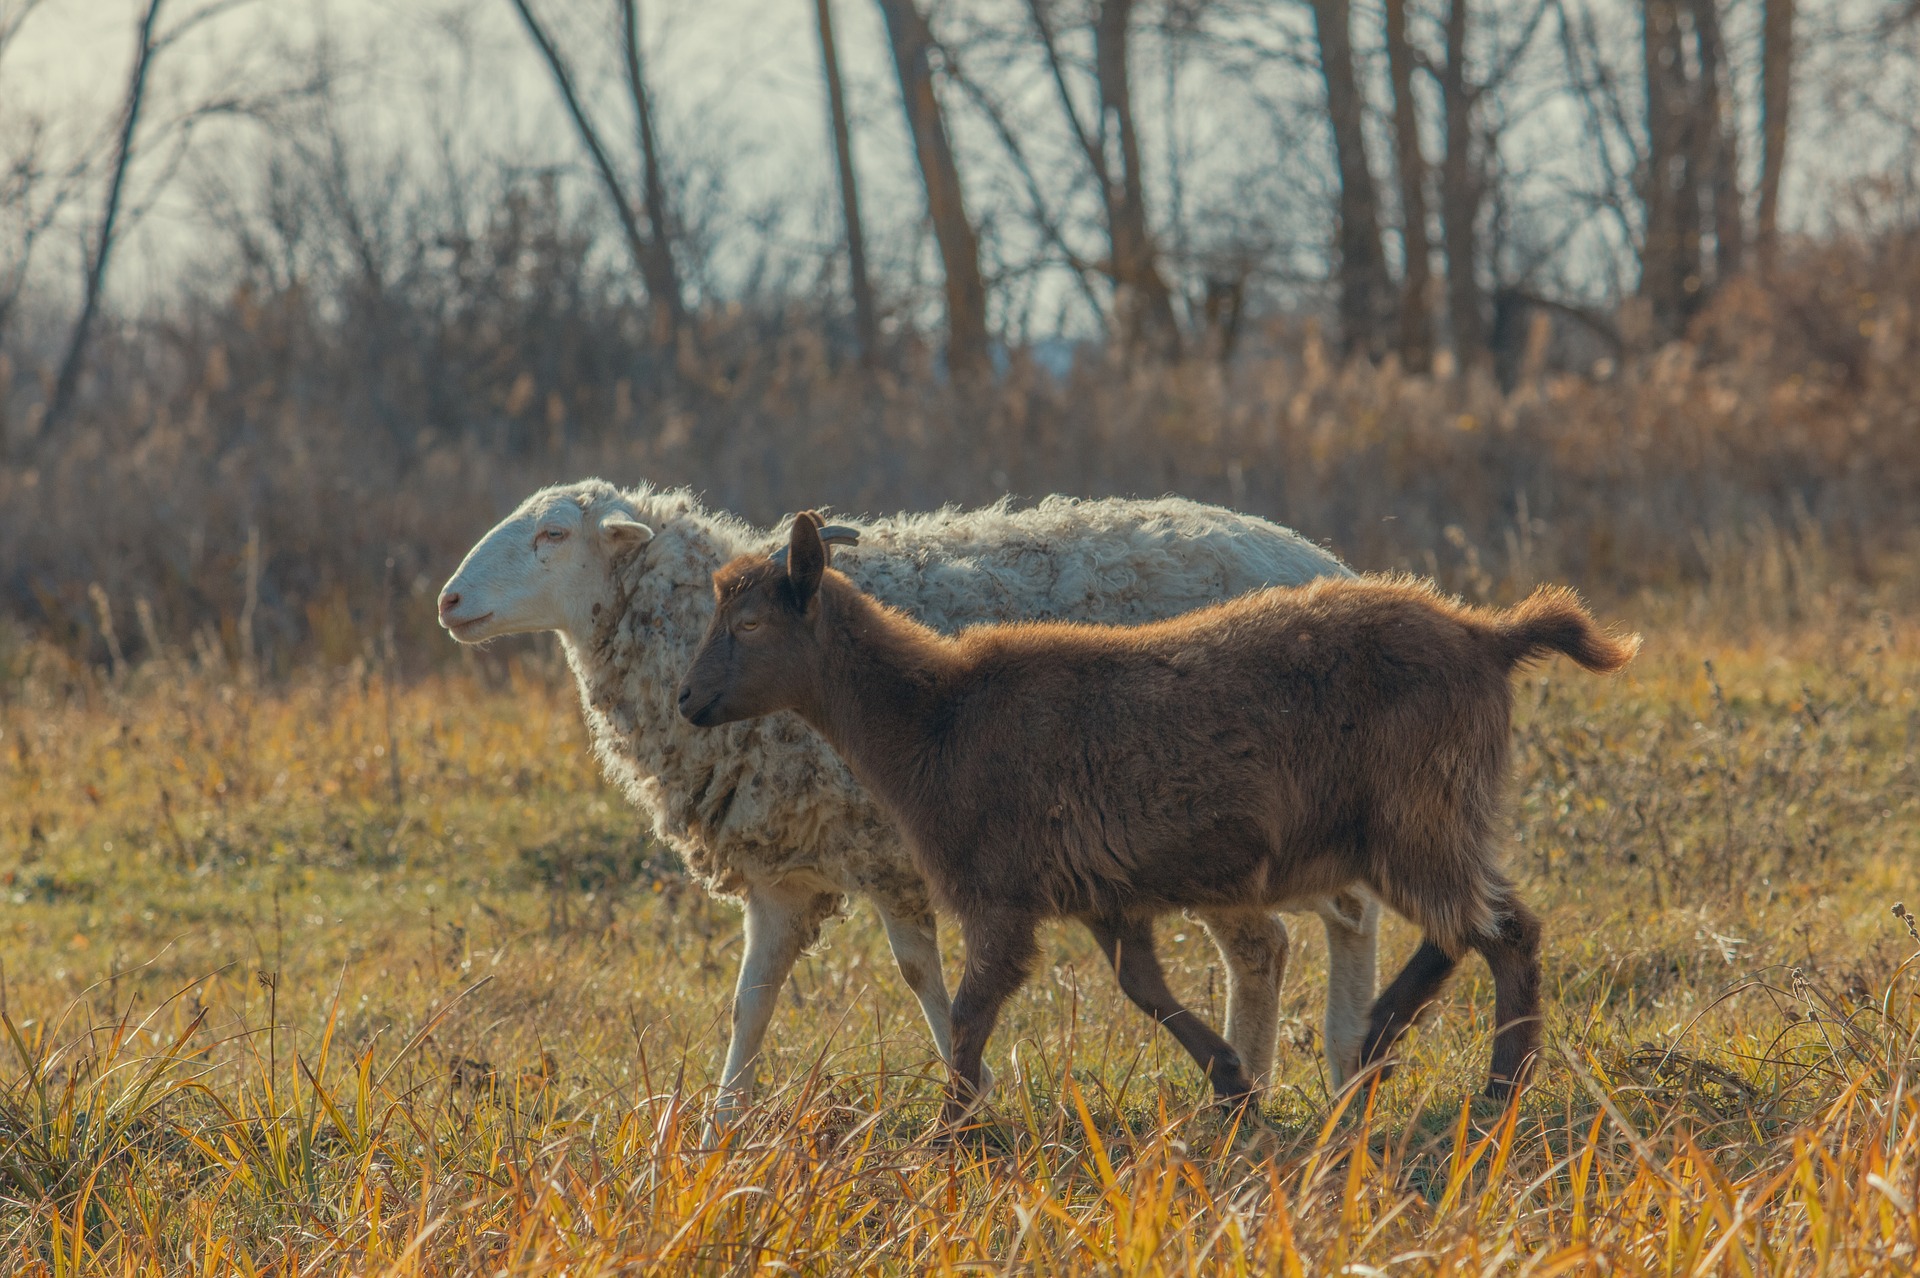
(1257, 753)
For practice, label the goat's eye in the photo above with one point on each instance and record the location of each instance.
(749, 625)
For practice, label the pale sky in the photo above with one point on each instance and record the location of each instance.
(737, 84)
(743, 75)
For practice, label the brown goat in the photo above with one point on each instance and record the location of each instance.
(1275, 748)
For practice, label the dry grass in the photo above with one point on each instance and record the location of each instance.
(330, 976)
(359, 449)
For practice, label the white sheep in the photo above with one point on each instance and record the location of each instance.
(764, 811)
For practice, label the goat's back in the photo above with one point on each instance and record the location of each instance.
(1272, 748)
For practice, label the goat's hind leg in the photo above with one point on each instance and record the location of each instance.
(1128, 945)
(1513, 954)
(1400, 1004)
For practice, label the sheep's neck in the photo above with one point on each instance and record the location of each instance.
(884, 679)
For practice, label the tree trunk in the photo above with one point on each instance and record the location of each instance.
(1670, 278)
(1416, 325)
(655, 263)
(1142, 301)
(662, 276)
(1716, 142)
(1776, 99)
(865, 317)
(1460, 200)
(912, 43)
(1364, 287)
(96, 277)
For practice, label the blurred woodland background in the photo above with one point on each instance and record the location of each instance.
(1618, 292)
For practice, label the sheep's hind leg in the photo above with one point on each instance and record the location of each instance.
(1352, 924)
(1000, 952)
(782, 920)
(1253, 946)
(916, 948)
(1128, 945)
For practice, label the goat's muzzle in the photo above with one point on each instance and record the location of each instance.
(696, 715)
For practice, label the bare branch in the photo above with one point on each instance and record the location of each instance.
(96, 275)
(1089, 145)
(589, 138)
(663, 279)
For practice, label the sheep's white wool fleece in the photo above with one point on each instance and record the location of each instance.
(765, 799)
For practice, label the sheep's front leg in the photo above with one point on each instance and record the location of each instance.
(1253, 946)
(782, 920)
(915, 940)
(1352, 923)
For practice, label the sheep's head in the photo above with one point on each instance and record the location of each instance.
(544, 567)
(758, 652)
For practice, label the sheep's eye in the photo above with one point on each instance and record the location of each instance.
(553, 534)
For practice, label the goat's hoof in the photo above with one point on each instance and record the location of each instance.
(1238, 1105)
(1502, 1089)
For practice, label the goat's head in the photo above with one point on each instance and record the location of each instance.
(547, 566)
(760, 649)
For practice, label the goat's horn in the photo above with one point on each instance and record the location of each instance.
(830, 534)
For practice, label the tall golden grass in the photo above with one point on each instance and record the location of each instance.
(333, 974)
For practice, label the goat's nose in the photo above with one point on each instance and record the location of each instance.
(449, 600)
(686, 695)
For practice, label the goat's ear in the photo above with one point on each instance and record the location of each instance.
(622, 531)
(806, 557)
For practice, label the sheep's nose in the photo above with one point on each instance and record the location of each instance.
(449, 600)
(686, 695)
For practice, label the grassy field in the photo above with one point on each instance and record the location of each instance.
(332, 975)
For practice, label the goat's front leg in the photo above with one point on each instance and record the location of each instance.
(1253, 946)
(782, 920)
(1128, 945)
(1352, 923)
(915, 940)
(1000, 953)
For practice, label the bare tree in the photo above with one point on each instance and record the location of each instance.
(1669, 252)
(662, 275)
(1715, 139)
(865, 317)
(1142, 300)
(1416, 325)
(1365, 290)
(912, 43)
(652, 252)
(1776, 100)
(1461, 190)
(1690, 187)
(100, 252)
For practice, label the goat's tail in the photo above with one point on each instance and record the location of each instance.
(1551, 619)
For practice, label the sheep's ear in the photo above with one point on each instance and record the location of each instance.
(806, 557)
(622, 531)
